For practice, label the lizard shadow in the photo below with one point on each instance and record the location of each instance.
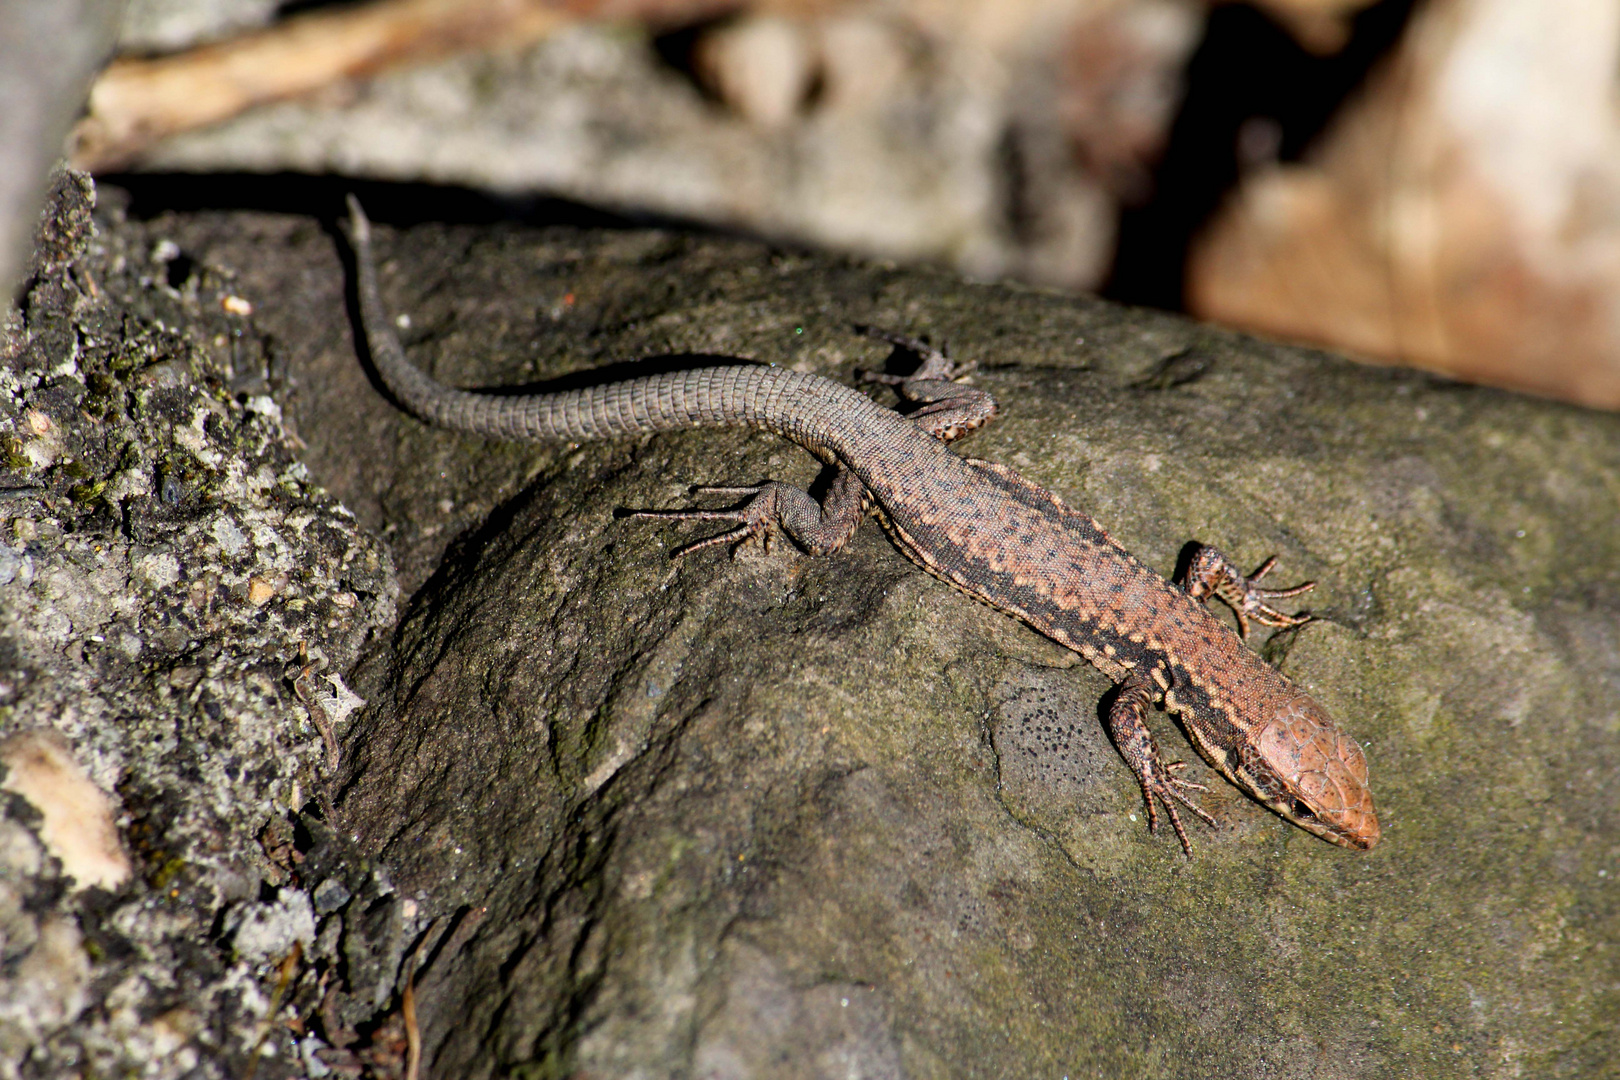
(1184, 559)
(609, 373)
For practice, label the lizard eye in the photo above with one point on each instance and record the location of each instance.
(1301, 811)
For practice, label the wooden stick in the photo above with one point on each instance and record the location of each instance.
(137, 102)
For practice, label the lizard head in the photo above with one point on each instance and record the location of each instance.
(1302, 766)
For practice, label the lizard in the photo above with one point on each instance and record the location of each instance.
(982, 528)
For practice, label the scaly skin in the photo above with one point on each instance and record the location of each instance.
(984, 529)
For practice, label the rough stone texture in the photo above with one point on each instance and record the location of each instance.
(163, 560)
(782, 816)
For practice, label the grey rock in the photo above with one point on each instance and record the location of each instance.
(780, 816)
(966, 156)
(125, 628)
(330, 895)
(156, 26)
(11, 564)
(260, 931)
(694, 803)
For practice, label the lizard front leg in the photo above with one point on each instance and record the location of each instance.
(1127, 723)
(1212, 574)
(946, 408)
(820, 528)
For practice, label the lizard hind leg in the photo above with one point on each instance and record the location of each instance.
(1209, 573)
(1127, 723)
(821, 528)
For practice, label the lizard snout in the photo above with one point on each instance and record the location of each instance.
(1324, 772)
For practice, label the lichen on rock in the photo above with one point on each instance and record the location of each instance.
(164, 559)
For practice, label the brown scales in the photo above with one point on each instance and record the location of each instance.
(984, 529)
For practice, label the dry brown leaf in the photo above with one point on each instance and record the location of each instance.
(1461, 216)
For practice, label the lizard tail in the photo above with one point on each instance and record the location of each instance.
(797, 405)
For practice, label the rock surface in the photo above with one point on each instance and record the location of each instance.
(608, 815)
(790, 816)
(164, 562)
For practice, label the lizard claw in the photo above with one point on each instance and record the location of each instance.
(753, 519)
(1159, 781)
(1212, 574)
(1168, 790)
(1185, 785)
(737, 537)
(936, 363)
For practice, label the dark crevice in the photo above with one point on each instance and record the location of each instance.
(1247, 75)
(144, 196)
